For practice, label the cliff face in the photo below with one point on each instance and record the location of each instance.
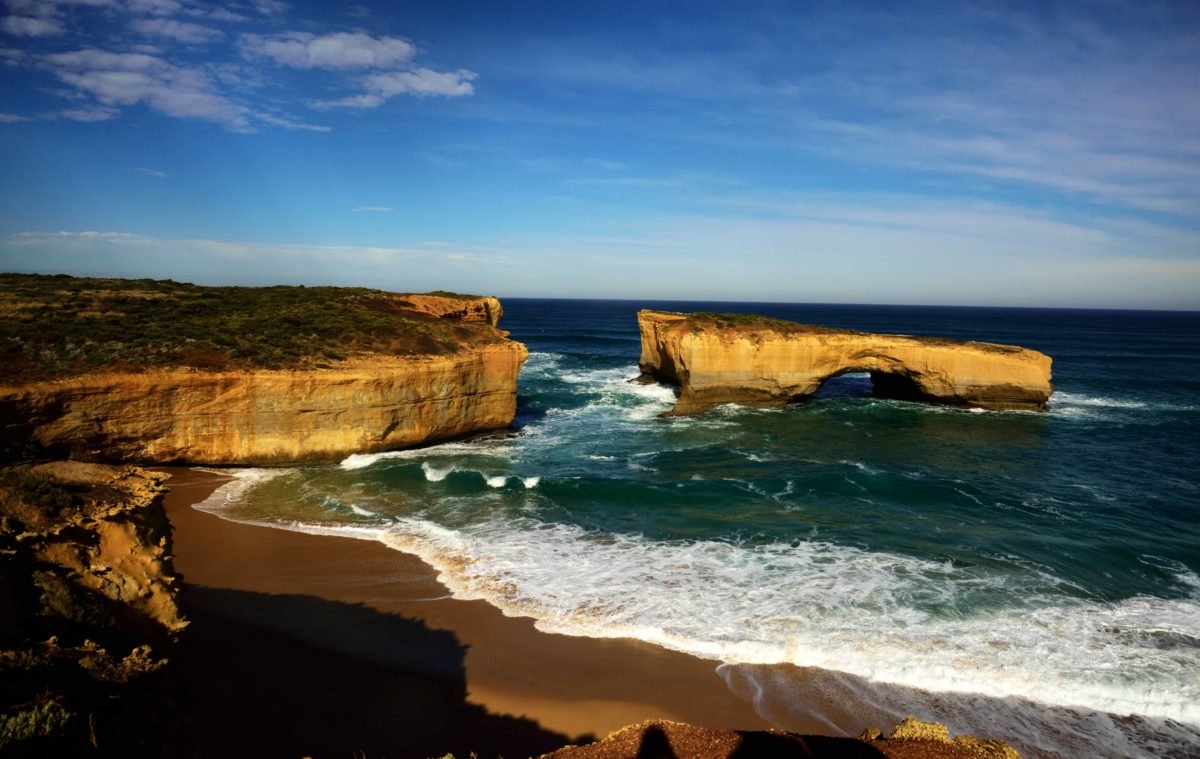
(727, 359)
(467, 309)
(268, 417)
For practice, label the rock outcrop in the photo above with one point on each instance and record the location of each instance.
(258, 417)
(911, 739)
(87, 608)
(159, 372)
(101, 537)
(755, 361)
(460, 307)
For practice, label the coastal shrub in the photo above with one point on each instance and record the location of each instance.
(56, 326)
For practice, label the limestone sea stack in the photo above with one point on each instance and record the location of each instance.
(154, 372)
(758, 361)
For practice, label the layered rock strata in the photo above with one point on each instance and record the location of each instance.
(257, 417)
(755, 361)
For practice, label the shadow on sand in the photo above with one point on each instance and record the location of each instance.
(350, 681)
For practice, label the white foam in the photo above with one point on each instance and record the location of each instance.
(228, 495)
(496, 482)
(874, 615)
(530, 482)
(361, 511)
(1075, 399)
(433, 474)
(498, 446)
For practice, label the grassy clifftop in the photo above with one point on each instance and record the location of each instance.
(58, 326)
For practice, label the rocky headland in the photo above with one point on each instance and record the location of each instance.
(757, 361)
(87, 611)
(162, 372)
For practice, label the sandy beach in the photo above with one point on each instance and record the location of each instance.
(317, 644)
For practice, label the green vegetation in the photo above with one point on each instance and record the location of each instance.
(58, 326)
(756, 322)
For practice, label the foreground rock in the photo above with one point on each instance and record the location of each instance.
(163, 373)
(87, 609)
(659, 739)
(756, 361)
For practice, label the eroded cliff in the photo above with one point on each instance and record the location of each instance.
(87, 611)
(723, 358)
(157, 372)
(268, 417)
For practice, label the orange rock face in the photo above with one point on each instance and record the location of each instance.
(268, 417)
(766, 362)
(467, 309)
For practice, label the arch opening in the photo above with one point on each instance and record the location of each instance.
(857, 382)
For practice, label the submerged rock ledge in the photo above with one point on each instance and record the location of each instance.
(756, 361)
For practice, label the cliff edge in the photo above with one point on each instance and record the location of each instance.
(142, 371)
(757, 361)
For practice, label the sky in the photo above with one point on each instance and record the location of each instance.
(1003, 154)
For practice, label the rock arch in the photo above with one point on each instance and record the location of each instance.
(727, 358)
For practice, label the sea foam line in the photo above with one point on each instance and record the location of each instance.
(887, 618)
(832, 607)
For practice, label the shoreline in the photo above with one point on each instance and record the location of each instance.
(341, 598)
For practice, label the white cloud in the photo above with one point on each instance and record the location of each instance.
(270, 7)
(413, 268)
(12, 118)
(291, 124)
(181, 31)
(94, 113)
(216, 14)
(372, 209)
(421, 82)
(30, 26)
(117, 79)
(151, 172)
(155, 7)
(333, 51)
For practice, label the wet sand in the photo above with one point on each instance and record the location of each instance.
(338, 645)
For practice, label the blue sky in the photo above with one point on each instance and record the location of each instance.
(954, 153)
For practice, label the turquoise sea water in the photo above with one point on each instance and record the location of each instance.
(923, 554)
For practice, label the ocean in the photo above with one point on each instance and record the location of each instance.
(1028, 576)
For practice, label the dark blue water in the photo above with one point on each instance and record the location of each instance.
(1050, 559)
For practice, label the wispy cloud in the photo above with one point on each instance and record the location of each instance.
(338, 50)
(123, 79)
(180, 31)
(151, 172)
(358, 50)
(420, 82)
(102, 253)
(372, 209)
(233, 87)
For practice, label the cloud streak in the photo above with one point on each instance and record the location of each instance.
(233, 86)
(338, 50)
